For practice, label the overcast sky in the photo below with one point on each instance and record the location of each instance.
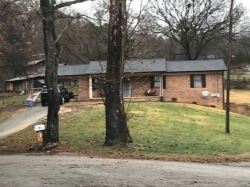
(82, 7)
(246, 3)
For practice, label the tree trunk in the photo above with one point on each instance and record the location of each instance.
(51, 51)
(116, 124)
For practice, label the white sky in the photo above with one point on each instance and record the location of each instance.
(246, 3)
(80, 7)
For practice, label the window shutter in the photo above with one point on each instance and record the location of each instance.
(203, 78)
(191, 81)
(164, 82)
(152, 82)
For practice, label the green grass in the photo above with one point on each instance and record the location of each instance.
(9, 106)
(15, 100)
(157, 128)
(162, 128)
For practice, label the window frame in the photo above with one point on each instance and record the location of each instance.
(153, 81)
(203, 81)
(157, 81)
(97, 84)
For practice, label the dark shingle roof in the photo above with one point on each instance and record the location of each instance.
(96, 67)
(153, 65)
(65, 70)
(136, 66)
(196, 65)
(72, 69)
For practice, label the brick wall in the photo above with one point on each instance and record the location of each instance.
(83, 92)
(140, 84)
(178, 86)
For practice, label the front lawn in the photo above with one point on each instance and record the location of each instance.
(163, 128)
(157, 128)
(11, 106)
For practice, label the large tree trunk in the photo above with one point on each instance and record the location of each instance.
(116, 124)
(51, 51)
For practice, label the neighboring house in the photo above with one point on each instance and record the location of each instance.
(32, 77)
(199, 81)
(68, 75)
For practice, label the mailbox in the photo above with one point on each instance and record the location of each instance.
(40, 129)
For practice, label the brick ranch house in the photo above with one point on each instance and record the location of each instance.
(198, 81)
(194, 81)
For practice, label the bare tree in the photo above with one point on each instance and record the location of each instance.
(20, 31)
(85, 41)
(52, 53)
(116, 125)
(193, 25)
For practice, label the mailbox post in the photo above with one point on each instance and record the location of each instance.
(40, 129)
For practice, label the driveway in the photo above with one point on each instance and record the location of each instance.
(76, 171)
(22, 120)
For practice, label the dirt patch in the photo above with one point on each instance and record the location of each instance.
(64, 109)
(239, 96)
(73, 106)
(243, 109)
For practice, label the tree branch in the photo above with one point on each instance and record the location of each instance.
(62, 5)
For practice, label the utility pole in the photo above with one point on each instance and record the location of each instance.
(229, 68)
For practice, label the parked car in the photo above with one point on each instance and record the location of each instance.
(64, 95)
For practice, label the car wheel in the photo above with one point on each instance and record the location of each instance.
(66, 99)
(62, 101)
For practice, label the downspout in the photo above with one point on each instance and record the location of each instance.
(161, 87)
(90, 87)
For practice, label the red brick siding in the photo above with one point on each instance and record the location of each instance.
(83, 92)
(140, 84)
(178, 86)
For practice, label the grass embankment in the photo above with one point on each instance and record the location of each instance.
(11, 106)
(158, 129)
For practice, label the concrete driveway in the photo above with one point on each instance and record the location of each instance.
(22, 120)
(79, 171)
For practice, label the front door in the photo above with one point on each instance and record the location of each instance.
(126, 87)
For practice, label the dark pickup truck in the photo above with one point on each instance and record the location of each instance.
(64, 95)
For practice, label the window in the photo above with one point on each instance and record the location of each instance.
(198, 81)
(155, 82)
(97, 83)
